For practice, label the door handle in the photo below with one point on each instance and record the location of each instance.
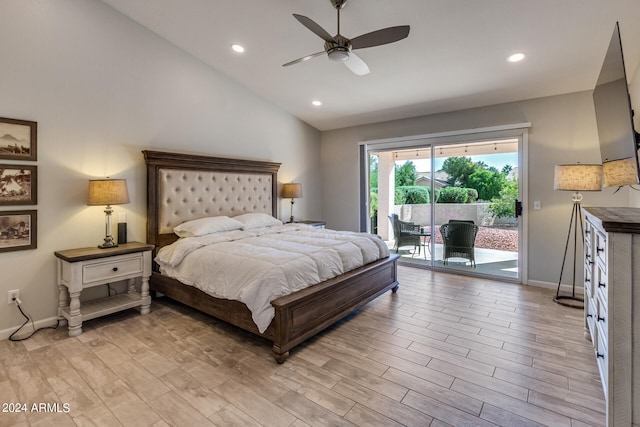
(518, 208)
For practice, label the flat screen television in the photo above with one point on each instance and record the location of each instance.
(614, 118)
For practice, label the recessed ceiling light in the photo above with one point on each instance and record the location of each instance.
(516, 57)
(237, 48)
(316, 103)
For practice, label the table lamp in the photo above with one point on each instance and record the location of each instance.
(575, 178)
(108, 192)
(292, 191)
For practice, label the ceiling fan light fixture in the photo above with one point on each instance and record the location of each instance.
(339, 54)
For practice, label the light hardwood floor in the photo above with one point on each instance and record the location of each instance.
(445, 350)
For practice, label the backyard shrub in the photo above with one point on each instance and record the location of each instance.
(415, 194)
(453, 195)
(504, 206)
(472, 195)
(373, 203)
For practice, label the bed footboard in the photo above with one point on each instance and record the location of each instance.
(303, 314)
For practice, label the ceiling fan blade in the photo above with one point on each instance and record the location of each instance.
(304, 58)
(380, 37)
(356, 65)
(315, 28)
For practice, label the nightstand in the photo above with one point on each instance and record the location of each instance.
(314, 224)
(83, 268)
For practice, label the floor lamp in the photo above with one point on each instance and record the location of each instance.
(575, 178)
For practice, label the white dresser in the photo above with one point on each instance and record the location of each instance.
(612, 307)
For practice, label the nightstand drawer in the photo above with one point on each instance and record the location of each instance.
(112, 269)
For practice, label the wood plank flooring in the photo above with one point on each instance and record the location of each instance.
(445, 350)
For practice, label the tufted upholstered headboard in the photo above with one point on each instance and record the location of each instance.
(182, 187)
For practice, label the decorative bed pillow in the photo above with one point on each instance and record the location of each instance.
(209, 225)
(257, 220)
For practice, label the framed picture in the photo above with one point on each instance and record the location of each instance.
(18, 139)
(18, 185)
(18, 230)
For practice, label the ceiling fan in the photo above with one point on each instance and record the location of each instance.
(340, 49)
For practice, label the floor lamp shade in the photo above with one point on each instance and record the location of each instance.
(292, 191)
(620, 172)
(578, 177)
(107, 192)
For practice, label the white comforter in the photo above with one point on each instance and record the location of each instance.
(259, 265)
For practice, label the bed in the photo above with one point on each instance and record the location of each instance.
(182, 187)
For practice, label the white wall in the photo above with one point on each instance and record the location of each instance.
(563, 131)
(102, 88)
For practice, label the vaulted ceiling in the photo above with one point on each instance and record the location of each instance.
(454, 57)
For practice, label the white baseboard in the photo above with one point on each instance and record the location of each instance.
(51, 321)
(564, 288)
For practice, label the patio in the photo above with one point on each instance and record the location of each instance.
(495, 254)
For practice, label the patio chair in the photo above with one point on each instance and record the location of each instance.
(402, 232)
(459, 238)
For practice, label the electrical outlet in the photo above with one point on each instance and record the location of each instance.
(12, 296)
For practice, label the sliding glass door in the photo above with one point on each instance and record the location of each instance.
(449, 206)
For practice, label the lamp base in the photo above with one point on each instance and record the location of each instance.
(108, 243)
(569, 301)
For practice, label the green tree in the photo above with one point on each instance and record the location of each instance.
(488, 182)
(459, 169)
(406, 174)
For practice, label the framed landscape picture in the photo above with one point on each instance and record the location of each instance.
(18, 230)
(18, 139)
(18, 185)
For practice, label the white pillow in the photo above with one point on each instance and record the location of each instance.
(256, 220)
(208, 225)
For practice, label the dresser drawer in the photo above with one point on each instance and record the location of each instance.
(600, 284)
(589, 286)
(602, 318)
(113, 269)
(602, 357)
(600, 249)
(591, 313)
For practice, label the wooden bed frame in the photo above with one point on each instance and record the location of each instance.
(298, 316)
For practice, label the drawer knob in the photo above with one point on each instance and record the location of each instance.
(600, 355)
(115, 268)
(600, 319)
(602, 285)
(599, 249)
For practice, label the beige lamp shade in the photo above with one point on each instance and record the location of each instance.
(578, 177)
(292, 191)
(104, 192)
(620, 172)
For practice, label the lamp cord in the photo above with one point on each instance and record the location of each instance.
(28, 318)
